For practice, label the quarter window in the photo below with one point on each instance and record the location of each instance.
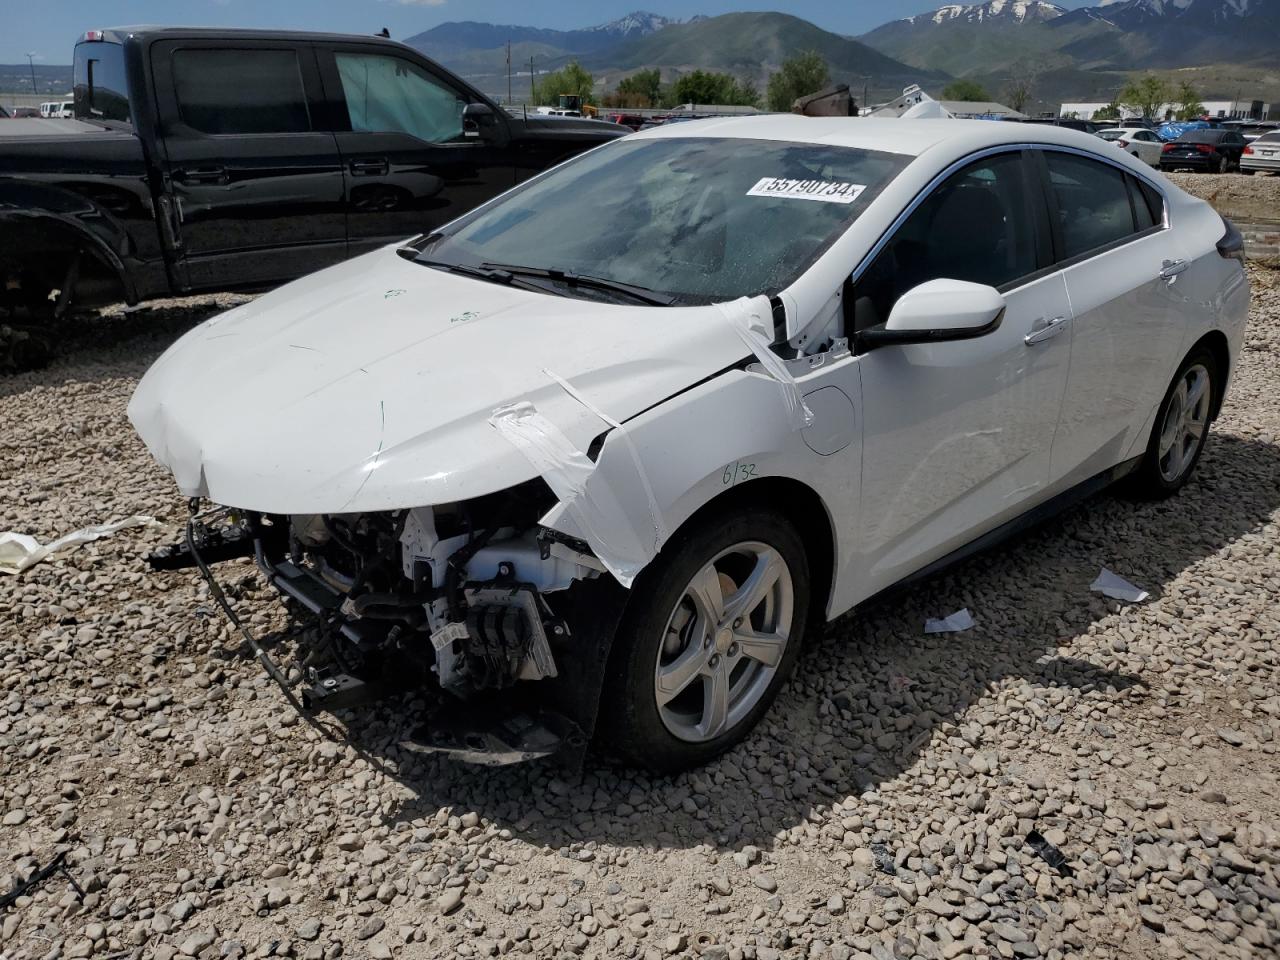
(240, 91)
(977, 226)
(390, 95)
(1091, 203)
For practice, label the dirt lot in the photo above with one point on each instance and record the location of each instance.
(881, 810)
(1248, 199)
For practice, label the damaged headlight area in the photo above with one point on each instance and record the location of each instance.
(503, 623)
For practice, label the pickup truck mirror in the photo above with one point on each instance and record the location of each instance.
(479, 120)
(939, 310)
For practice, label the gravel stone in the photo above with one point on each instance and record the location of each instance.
(881, 809)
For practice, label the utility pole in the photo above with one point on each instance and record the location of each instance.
(508, 73)
(31, 62)
(533, 87)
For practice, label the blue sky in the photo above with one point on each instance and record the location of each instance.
(50, 28)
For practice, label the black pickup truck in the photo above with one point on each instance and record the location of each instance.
(234, 159)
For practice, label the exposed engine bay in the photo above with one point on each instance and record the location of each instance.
(493, 616)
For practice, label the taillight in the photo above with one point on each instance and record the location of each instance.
(1204, 148)
(1231, 246)
(1248, 149)
(1166, 148)
(1122, 143)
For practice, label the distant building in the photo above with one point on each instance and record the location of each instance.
(1219, 109)
(980, 110)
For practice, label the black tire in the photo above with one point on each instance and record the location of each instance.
(631, 728)
(1221, 165)
(1151, 481)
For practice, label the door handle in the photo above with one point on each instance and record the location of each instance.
(370, 167)
(1171, 268)
(1049, 330)
(202, 175)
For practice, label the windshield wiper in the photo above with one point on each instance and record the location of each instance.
(482, 272)
(569, 278)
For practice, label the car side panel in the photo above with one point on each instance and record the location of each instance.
(729, 432)
(1129, 329)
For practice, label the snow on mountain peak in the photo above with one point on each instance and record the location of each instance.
(1016, 11)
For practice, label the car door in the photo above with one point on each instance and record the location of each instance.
(251, 167)
(410, 163)
(1148, 146)
(957, 435)
(1121, 264)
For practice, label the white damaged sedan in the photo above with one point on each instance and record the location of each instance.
(590, 461)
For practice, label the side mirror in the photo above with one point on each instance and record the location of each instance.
(939, 310)
(480, 120)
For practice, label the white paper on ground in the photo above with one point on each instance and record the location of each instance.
(18, 551)
(1117, 587)
(960, 620)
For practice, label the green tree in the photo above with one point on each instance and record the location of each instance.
(1146, 95)
(799, 76)
(704, 87)
(967, 90)
(1188, 101)
(642, 89)
(570, 80)
(1110, 112)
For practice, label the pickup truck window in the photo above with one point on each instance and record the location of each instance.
(390, 95)
(240, 91)
(101, 88)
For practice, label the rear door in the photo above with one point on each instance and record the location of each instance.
(252, 168)
(1121, 265)
(409, 165)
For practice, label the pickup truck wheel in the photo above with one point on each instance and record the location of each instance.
(711, 632)
(1180, 430)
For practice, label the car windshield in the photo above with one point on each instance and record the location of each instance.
(1269, 138)
(699, 220)
(1111, 134)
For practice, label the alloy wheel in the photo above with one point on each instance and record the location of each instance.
(1185, 420)
(724, 641)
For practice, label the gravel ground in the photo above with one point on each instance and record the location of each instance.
(1246, 198)
(881, 809)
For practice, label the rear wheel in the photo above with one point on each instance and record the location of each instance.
(712, 630)
(1181, 428)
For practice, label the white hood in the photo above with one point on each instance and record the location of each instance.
(369, 386)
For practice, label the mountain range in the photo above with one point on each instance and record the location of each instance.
(1084, 52)
(1120, 34)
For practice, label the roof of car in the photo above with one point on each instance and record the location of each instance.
(892, 135)
(118, 34)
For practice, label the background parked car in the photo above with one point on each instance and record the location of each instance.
(25, 112)
(1262, 154)
(1140, 142)
(57, 109)
(1215, 151)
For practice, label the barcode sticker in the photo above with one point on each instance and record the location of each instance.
(824, 191)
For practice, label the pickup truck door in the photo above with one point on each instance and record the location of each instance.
(409, 164)
(251, 169)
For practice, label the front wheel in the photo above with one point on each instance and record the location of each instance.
(712, 630)
(1181, 428)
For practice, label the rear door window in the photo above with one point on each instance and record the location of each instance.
(390, 95)
(248, 91)
(1090, 203)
